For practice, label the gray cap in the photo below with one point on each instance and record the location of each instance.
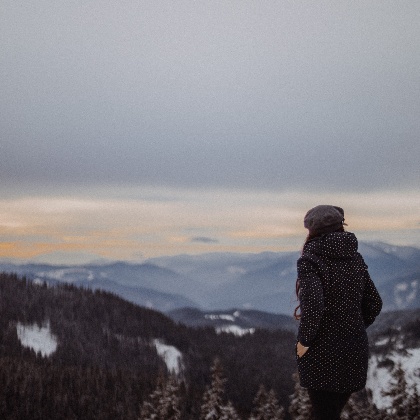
(324, 219)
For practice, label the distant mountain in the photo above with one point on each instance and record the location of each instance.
(140, 284)
(267, 287)
(389, 262)
(266, 281)
(235, 321)
(393, 320)
(149, 298)
(220, 281)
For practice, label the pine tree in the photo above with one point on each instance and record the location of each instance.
(228, 412)
(266, 406)
(275, 411)
(413, 404)
(213, 407)
(259, 403)
(164, 402)
(300, 405)
(399, 394)
(361, 407)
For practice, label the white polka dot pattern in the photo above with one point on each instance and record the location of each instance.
(338, 301)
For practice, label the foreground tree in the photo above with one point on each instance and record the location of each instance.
(399, 394)
(266, 406)
(413, 404)
(214, 407)
(361, 407)
(164, 402)
(300, 405)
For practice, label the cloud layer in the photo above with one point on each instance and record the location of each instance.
(156, 222)
(238, 94)
(138, 128)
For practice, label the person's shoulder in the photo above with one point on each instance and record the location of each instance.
(361, 260)
(309, 258)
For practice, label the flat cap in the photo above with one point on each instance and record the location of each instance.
(324, 219)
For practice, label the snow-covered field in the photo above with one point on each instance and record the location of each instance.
(171, 355)
(380, 379)
(40, 339)
(235, 329)
(229, 328)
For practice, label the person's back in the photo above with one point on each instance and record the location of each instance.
(338, 300)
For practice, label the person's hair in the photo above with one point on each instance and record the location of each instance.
(310, 236)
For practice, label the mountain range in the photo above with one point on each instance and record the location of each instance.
(222, 281)
(71, 352)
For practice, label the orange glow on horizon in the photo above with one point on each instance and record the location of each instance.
(192, 222)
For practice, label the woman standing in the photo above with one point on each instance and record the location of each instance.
(338, 300)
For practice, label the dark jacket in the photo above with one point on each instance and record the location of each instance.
(338, 301)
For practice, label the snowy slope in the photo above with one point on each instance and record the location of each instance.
(39, 339)
(171, 356)
(379, 374)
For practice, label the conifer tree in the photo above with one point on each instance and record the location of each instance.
(398, 393)
(259, 403)
(228, 412)
(300, 405)
(413, 404)
(213, 407)
(266, 406)
(164, 402)
(274, 409)
(361, 407)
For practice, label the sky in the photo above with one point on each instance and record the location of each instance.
(134, 129)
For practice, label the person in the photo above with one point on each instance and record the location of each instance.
(337, 302)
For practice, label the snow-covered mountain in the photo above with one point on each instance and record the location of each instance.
(236, 321)
(394, 341)
(222, 281)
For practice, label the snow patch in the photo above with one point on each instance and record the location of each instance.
(40, 339)
(401, 287)
(68, 275)
(225, 317)
(405, 293)
(234, 329)
(38, 282)
(382, 342)
(379, 378)
(171, 356)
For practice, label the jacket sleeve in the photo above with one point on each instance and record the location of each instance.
(371, 301)
(311, 298)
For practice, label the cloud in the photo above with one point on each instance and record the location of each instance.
(191, 221)
(204, 240)
(250, 95)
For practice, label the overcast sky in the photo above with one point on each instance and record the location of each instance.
(117, 99)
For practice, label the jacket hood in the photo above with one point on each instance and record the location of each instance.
(333, 245)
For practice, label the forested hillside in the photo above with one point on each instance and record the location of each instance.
(106, 362)
(73, 353)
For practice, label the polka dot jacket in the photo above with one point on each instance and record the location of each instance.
(338, 301)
